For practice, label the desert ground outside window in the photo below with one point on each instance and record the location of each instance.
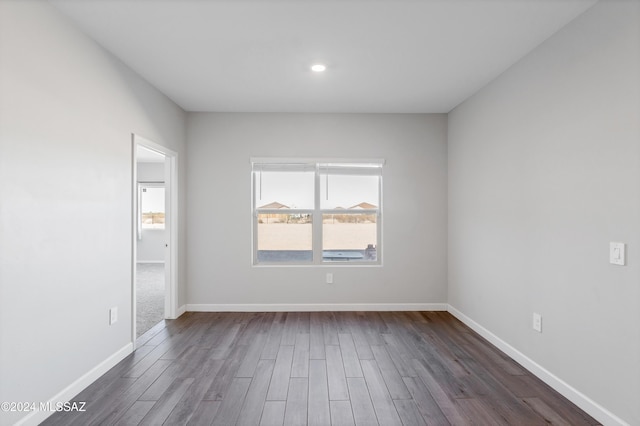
(316, 212)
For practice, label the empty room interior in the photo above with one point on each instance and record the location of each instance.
(375, 212)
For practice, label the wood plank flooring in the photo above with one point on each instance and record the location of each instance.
(319, 368)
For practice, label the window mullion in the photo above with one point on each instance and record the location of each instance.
(254, 220)
(317, 221)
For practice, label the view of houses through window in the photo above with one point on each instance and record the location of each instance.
(317, 212)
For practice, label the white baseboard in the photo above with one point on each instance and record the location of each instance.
(65, 395)
(594, 409)
(181, 310)
(150, 261)
(316, 307)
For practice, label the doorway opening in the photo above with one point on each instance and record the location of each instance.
(155, 236)
(150, 261)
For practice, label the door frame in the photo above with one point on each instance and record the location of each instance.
(171, 221)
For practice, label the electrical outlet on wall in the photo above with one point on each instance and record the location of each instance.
(537, 322)
(329, 278)
(113, 315)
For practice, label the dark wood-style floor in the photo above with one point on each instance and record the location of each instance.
(319, 368)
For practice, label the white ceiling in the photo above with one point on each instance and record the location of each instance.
(145, 155)
(381, 55)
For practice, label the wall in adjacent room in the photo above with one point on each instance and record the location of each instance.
(544, 171)
(219, 207)
(67, 113)
(150, 172)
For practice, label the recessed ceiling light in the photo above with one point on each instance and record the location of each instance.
(318, 68)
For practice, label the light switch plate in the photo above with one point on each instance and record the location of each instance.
(617, 253)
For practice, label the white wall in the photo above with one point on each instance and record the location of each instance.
(67, 112)
(544, 171)
(150, 172)
(219, 207)
(151, 247)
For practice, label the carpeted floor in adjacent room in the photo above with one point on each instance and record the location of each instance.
(149, 296)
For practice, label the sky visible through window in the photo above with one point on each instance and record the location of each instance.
(296, 190)
(153, 200)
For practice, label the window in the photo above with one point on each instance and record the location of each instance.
(316, 212)
(151, 211)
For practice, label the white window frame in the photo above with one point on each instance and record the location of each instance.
(317, 212)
